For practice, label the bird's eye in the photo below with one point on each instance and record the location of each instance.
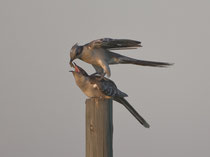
(79, 50)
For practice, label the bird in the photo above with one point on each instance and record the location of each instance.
(98, 53)
(93, 86)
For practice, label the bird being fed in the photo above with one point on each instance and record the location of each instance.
(98, 53)
(94, 86)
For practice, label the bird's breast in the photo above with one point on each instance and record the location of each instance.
(92, 90)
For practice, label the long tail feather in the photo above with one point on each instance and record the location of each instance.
(132, 111)
(128, 60)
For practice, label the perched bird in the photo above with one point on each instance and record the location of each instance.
(94, 86)
(99, 55)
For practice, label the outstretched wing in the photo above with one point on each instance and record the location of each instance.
(114, 44)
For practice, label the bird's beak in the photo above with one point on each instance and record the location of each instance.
(76, 68)
(71, 64)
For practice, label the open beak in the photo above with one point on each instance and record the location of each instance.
(75, 67)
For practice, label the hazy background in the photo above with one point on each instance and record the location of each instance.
(42, 111)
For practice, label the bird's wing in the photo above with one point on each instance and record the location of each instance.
(114, 44)
(106, 86)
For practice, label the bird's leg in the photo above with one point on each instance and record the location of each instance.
(102, 75)
(99, 74)
(96, 73)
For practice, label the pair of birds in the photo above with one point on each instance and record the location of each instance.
(98, 54)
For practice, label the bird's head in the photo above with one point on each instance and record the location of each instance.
(80, 75)
(78, 71)
(75, 52)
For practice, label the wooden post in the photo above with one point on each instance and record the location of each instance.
(99, 127)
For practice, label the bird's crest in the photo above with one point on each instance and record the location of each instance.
(75, 45)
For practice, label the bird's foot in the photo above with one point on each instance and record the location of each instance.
(96, 73)
(101, 75)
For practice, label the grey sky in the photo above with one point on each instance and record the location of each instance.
(42, 111)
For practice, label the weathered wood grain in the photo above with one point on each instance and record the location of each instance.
(99, 127)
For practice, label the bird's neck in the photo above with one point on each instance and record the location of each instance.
(82, 82)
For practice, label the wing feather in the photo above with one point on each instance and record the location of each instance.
(106, 86)
(114, 44)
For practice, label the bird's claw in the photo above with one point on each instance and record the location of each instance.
(102, 76)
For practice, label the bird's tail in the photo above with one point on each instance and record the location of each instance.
(128, 60)
(132, 111)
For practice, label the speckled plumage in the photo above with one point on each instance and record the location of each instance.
(95, 86)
